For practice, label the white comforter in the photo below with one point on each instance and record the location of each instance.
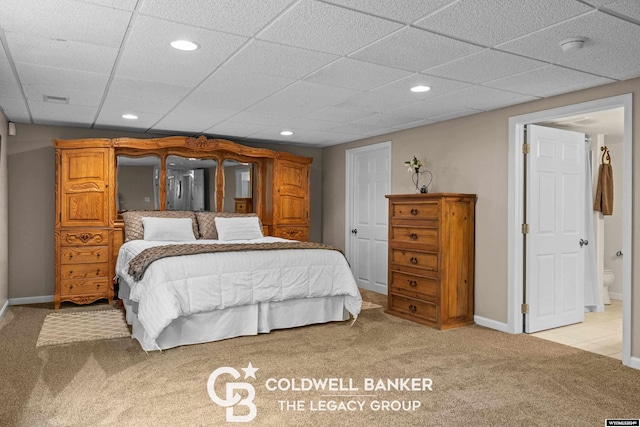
(184, 285)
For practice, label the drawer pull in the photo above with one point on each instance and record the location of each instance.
(414, 211)
(413, 283)
(292, 232)
(98, 272)
(413, 260)
(98, 255)
(70, 256)
(412, 308)
(413, 236)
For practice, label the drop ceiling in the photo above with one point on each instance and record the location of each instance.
(330, 71)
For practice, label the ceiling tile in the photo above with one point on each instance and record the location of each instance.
(490, 22)
(360, 129)
(485, 98)
(238, 89)
(430, 108)
(373, 102)
(415, 50)
(116, 4)
(219, 15)
(401, 89)
(338, 114)
(627, 8)
(608, 51)
(302, 97)
(92, 24)
(485, 66)
(190, 118)
(69, 114)
(9, 89)
(235, 129)
(76, 97)
(548, 81)
(406, 11)
(139, 96)
(326, 28)
(61, 54)
(412, 125)
(112, 118)
(278, 60)
(31, 74)
(351, 73)
(386, 119)
(148, 55)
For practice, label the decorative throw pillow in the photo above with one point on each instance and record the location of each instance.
(238, 228)
(207, 224)
(133, 229)
(168, 229)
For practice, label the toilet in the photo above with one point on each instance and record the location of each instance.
(609, 278)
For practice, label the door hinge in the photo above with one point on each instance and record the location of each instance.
(525, 228)
(524, 308)
(526, 148)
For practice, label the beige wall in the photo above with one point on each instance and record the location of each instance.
(31, 171)
(135, 183)
(469, 155)
(4, 201)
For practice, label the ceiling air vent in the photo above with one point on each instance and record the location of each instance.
(55, 99)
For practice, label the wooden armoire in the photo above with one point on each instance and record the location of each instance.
(89, 229)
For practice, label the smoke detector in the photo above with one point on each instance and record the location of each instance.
(573, 43)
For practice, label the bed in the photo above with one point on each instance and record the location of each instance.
(206, 276)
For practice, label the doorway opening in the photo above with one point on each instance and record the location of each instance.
(516, 257)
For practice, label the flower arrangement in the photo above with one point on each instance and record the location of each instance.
(413, 165)
(418, 169)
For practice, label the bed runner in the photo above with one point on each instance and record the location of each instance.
(141, 262)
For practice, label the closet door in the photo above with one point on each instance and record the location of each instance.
(84, 182)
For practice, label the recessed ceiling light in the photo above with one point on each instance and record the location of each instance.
(286, 133)
(420, 88)
(130, 116)
(184, 45)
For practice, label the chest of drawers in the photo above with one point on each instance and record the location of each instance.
(431, 258)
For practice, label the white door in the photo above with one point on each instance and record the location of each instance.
(555, 214)
(368, 181)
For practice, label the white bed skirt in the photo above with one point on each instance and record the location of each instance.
(236, 321)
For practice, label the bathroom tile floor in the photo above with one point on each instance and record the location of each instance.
(599, 333)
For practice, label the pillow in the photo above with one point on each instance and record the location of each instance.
(207, 224)
(238, 228)
(133, 229)
(168, 229)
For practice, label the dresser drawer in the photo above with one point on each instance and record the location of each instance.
(84, 287)
(90, 254)
(414, 286)
(420, 309)
(84, 237)
(291, 233)
(84, 271)
(427, 237)
(415, 210)
(406, 258)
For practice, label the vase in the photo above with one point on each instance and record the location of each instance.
(424, 188)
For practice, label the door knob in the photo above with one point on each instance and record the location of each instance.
(354, 231)
(583, 242)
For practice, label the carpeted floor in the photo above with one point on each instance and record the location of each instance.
(479, 377)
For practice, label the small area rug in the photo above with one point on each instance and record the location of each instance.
(366, 305)
(63, 328)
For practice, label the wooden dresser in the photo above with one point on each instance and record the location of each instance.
(431, 258)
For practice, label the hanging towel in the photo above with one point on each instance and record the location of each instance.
(603, 200)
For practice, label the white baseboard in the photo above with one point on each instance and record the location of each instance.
(31, 300)
(490, 323)
(634, 362)
(4, 308)
(615, 296)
